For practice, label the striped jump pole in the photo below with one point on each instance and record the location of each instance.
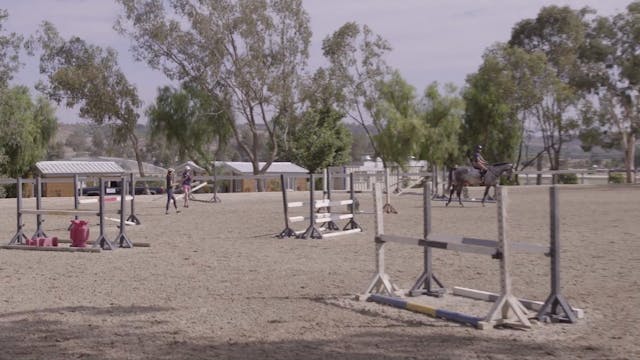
(461, 318)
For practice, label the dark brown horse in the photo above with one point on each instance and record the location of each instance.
(468, 176)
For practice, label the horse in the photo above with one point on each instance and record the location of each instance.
(465, 175)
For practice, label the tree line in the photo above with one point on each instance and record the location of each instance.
(245, 84)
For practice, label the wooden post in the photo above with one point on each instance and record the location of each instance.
(122, 240)
(288, 231)
(425, 282)
(132, 216)
(102, 241)
(39, 231)
(499, 312)
(555, 301)
(388, 208)
(19, 235)
(380, 282)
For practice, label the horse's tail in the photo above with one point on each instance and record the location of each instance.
(450, 178)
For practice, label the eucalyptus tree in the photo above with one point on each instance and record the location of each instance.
(9, 63)
(402, 134)
(613, 58)
(441, 112)
(254, 51)
(559, 33)
(357, 65)
(500, 101)
(192, 123)
(27, 129)
(88, 76)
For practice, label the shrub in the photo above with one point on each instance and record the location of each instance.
(567, 179)
(617, 178)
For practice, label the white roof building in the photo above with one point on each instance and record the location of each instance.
(278, 167)
(70, 168)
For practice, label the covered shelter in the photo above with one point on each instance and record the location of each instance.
(68, 169)
(295, 176)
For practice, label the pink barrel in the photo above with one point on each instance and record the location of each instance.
(79, 233)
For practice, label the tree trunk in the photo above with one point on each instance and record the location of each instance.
(629, 155)
(136, 151)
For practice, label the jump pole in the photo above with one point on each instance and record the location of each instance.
(76, 200)
(555, 301)
(122, 240)
(132, 216)
(312, 231)
(388, 208)
(500, 309)
(288, 231)
(19, 235)
(381, 282)
(102, 242)
(424, 285)
(39, 231)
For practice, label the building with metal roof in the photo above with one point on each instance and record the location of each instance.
(67, 169)
(297, 174)
(70, 168)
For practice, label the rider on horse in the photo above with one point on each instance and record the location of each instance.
(478, 162)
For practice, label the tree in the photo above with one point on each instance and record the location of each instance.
(27, 129)
(559, 33)
(317, 138)
(9, 52)
(500, 98)
(402, 133)
(85, 75)
(358, 68)
(613, 59)
(320, 140)
(254, 52)
(190, 122)
(441, 117)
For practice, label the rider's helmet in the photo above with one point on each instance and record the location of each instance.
(478, 147)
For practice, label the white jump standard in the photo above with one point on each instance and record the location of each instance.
(326, 219)
(385, 291)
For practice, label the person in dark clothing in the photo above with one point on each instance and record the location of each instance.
(170, 196)
(478, 162)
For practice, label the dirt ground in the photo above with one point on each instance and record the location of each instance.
(217, 284)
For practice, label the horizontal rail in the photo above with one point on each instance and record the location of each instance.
(59, 212)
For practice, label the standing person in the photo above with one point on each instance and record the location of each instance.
(170, 196)
(479, 162)
(186, 184)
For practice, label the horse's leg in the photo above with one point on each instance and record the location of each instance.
(453, 189)
(459, 191)
(486, 192)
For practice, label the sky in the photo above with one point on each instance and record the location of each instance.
(432, 40)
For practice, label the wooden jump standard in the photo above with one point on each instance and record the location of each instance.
(327, 218)
(500, 249)
(100, 243)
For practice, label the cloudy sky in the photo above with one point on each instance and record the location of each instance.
(432, 40)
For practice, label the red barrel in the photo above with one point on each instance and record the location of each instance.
(79, 233)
